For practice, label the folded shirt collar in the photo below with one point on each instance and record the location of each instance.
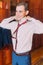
(25, 19)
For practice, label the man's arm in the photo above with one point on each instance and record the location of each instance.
(6, 21)
(38, 25)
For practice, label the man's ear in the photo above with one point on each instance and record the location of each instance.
(27, 12)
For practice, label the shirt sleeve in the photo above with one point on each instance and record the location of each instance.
(38, 25)
(5, 22)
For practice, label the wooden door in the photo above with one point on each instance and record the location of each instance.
(41, 11)
(36, 9)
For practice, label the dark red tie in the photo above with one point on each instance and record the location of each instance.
(16, 34)
(17, 31)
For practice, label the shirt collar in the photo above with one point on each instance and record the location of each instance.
(24, 19)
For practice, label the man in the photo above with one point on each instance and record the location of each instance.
(22, 33)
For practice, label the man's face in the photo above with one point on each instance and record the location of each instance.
(20, 12)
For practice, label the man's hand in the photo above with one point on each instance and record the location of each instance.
(28, 17)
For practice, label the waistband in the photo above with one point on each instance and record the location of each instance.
(22, 54)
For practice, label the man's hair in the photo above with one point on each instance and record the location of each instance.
(25, 4)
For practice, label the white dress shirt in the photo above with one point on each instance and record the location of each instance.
(25, 32)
